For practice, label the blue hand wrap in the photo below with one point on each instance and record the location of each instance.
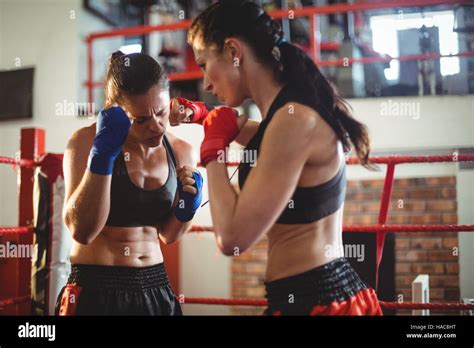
(111, 132)
(188, 203)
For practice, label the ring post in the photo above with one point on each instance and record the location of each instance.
(32, 147)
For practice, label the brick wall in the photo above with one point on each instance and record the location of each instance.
(414, 201)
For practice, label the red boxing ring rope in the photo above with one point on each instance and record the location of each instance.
(454, 158)
(352, 160)
(387, 305)
(16, 230)
(383, 228)
(354, 228)
(263, 302)
(20, 162)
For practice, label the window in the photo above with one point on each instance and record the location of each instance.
(385, 37)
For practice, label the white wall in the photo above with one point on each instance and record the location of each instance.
(442, 122)
(40, 34)
(102, 49)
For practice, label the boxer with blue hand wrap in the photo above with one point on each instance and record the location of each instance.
(112, 129)
(121, 178)
(188, 202)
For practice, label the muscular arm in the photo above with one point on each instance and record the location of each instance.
(172, 229)
(240, 220)
(87, 197)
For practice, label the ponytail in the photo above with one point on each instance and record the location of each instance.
(115, 55)
(298, 70)
(112, 90)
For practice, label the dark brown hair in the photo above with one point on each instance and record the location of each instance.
(132, 74)
(247, 21)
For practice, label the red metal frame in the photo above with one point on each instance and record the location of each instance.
(314, 49)
(315, 46)
(346, 62)
(382, 219)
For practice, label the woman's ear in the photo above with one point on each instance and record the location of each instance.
(233, 49)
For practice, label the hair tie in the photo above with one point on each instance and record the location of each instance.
(276, 53)
(279, 42)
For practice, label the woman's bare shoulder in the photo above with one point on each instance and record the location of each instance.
(82, 138)
(183, 150)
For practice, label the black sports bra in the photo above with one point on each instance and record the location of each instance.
(307, 204)
(132, 206)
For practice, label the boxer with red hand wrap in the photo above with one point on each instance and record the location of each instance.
(220, 129)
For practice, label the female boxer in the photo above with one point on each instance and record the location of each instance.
(129, 183)
(295, 193)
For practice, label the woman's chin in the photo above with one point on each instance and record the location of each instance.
(232, 103)
(154, 142)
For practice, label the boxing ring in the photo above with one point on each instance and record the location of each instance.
(17, 298)
(33, 156)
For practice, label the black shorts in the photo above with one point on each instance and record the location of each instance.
(117, 290)
(331, 289)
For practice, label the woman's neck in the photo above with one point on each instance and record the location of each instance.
(263, 90)
(144, 151)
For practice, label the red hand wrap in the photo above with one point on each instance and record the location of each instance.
(199, 110)
(220, 129)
